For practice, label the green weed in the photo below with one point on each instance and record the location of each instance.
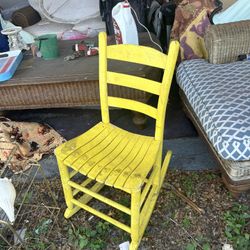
(186, 222)
(43, 226)
(188, 185)
(27, 197)
(36, 238)
(3, 244)
(37, 244)
(194, 246)
(87, 238)
(125, 218)
(236, 221)
(210, 176)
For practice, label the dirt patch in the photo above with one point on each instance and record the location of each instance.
(174, 224)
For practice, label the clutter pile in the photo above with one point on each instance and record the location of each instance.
(82, 49)
(23, 143)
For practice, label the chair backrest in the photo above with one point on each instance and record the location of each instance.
(141, 55)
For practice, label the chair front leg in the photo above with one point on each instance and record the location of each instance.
(64, 173)
(135, 219)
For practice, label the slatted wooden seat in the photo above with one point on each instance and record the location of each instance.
(112, 156)
(108, 155)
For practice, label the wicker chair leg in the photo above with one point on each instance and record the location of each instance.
(235, 190)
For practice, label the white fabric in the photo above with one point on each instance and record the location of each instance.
(93, 23)
(66, 11)
(239, 11)
(48, 27)
(35, 5)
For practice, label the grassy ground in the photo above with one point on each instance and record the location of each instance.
(174, 224)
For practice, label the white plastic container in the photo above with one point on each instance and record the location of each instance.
(124, 24)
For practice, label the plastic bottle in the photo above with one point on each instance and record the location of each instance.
(124, 24)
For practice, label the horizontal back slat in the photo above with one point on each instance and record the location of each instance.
(132, 105)
(135, 82)
(137, 54)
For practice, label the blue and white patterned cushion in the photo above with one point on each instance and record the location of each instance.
(220, 96)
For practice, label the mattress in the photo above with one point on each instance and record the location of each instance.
(220, 96)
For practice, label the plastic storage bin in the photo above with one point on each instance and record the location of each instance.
(9, 62)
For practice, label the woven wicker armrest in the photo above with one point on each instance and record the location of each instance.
(225, 42)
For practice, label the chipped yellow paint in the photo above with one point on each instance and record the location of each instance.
(108, 155)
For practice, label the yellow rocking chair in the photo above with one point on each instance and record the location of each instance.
(108, 155)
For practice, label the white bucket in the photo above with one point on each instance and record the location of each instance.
(124, 24)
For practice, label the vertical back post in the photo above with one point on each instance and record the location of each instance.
(103, 76)
(165, 88)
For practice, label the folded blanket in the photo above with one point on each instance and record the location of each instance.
(24, 143)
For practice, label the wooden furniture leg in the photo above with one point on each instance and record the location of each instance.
(139, 120)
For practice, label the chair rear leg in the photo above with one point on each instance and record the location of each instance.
(157, 169)
(64, 173)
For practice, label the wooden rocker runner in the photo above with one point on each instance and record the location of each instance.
(108, 155)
